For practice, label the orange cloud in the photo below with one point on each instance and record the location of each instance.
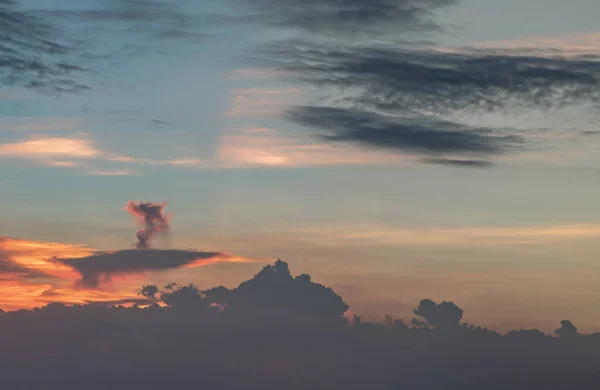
(46, 272)
(50, 148)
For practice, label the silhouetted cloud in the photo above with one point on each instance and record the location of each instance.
(278, 331)
(420, 135)
(334, 16)
(100, 268)
(445, 315)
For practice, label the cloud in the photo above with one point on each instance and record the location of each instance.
(343, 17)
(34, 54)
(113, 173)
(100, 268)
(45, 50)
(457, 163)
(31, 258)
(152, 19)
(572, 45)
(370, 234)
(264, 147)
(411, 80)
(421, 134)
(418, 99)
(50, 148)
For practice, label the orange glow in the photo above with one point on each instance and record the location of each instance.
(37, 256)
(44, 147)
(225, 258)
(40, 279)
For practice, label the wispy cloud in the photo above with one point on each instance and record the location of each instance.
(269, 148)
(43, 148)
(40, 51)
(113, 173)
(368, 234)
(349, 17)
(572, 45)
(262, 102)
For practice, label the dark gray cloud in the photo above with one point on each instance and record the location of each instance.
(101, 267)
(396, 98)
(34, 54)
(458, 163)
(417, 135)
(155, 19)
(396, 79)
(343, 16)
(53, 50)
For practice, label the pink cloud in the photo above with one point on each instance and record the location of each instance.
(41, 148)
(266, 147)
(567, 45)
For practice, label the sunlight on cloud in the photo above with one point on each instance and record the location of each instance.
(50, 147)
(567, 45)
(267, 147)
(33, 273)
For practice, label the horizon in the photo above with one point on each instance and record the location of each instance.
(397, 153)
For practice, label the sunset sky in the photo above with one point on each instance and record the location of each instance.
(449, 151)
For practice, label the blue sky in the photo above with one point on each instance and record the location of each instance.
(200, 123)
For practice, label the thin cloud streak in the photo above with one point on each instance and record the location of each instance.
(367, 234)
(42, 148)
(256, 147)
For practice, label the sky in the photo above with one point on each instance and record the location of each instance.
(395, 150)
